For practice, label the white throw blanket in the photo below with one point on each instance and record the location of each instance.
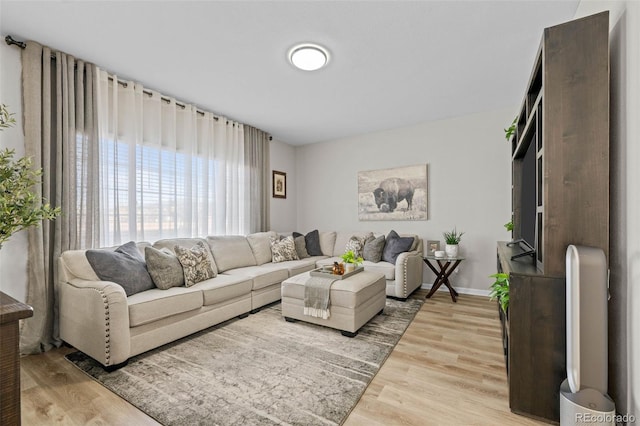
(316, 297)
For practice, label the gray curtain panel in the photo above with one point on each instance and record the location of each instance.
(256, 154)
(60, 129)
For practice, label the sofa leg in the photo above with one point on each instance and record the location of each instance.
(381, 311)
(287, 319)
(254, 311)
(401, 299)
(246, 314)
(112, 368)
(349, 333)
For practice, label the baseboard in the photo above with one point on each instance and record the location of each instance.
(461, 290)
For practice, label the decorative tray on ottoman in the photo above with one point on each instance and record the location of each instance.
(327, 272)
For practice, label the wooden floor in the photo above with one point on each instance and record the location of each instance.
(447, 369)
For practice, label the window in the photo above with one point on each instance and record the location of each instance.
(166, 171)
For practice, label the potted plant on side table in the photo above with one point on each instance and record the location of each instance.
(452, 239)
(351, 261)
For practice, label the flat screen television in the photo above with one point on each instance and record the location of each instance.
(528, 196)
(526, 226)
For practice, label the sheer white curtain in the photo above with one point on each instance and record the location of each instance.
(166, 170)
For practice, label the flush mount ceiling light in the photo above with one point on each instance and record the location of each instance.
(308, 56)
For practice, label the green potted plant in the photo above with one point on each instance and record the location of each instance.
(452, 239)
(500, 290)
(351, 261)
(19, 206)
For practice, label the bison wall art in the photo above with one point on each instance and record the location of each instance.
(393, 194)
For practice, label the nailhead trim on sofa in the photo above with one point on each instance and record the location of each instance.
(107, 331)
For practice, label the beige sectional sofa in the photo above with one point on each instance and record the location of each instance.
(100, 320)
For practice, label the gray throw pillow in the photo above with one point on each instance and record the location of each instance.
(312, 242)
(301, 247)
(283, 250)
(395, 245)
(164, 267)
(197, 263)
(373, 248)
(124, 266)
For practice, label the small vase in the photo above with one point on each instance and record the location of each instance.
(349, 267)
(451, 250)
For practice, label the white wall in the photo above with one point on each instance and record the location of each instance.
(283, 212)
(624, 261)
(469, 185)
(13, 255)
(631, 249)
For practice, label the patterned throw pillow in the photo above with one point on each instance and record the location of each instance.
(196, 262)
(283, 250)
(355, 244)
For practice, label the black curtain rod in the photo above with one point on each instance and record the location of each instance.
(22, 45)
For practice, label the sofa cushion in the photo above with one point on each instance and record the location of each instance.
(170, 243)
(341, 240)
(197, 263)
(373, 248)
(124, 266)
(77, 265)
(223, 288)
(301, 247)
(262, 277)
(328, 261)
(327, 242)
(260, 244)
(164, 267)
(382, 267)
(231, 252)
(293, 267)
(155, 304)
(416, 241)
(283, 250)
(312, 242)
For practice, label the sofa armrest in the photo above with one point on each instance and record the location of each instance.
(409, 268)
(94, 318)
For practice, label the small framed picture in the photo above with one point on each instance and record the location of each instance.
(279, 184)
(432, 247)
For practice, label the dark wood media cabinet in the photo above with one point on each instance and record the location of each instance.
(560, 196)
(533, 337)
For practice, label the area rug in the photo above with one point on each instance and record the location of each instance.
(259, 370)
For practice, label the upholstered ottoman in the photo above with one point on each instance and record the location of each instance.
(354, 301)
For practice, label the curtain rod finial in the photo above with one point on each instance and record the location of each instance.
(9, 40)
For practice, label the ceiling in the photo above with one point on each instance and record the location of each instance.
(393, 63)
